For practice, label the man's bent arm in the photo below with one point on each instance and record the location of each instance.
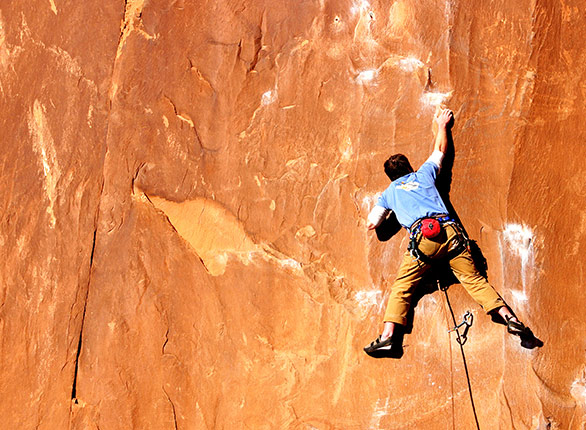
(376, 217)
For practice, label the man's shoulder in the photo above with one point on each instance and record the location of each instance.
(429, 167)
(386, 198)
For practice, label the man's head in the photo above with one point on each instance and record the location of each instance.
(396, 166)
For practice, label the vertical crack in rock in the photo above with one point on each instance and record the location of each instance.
(172, 408)
(79, 343)
(128, 4)
(96, 218)
(165, 342)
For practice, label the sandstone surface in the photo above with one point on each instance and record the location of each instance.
(183, 201)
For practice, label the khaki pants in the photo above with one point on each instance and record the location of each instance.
(412, 271)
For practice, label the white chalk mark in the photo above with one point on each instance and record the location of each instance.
(369, 200)
(269, 97)
(366, 76)
(410, 64)
(359, 6)
(518, 240)
(380, 410)
(368, 298)
(346, 150)
(290, 263)
(520, 296)
(266, 99)
(578, 389)
(436, 99)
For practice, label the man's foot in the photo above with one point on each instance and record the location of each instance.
(379, 345)
(516, 327)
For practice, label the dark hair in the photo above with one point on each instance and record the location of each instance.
(397, 166)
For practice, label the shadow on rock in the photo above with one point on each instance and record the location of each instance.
(529, 341)
(388, 228)
(478, 258)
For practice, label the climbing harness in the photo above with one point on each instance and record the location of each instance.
(430, 227)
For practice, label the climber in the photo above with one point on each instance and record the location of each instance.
(434, 236)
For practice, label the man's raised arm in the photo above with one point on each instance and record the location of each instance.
(442, 119)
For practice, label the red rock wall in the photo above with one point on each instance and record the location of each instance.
(183, 199)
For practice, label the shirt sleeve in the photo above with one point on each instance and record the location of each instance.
(377, 215)
(382, 201)
(436, 158)
(432, 166)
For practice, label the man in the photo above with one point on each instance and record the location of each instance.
(434, 235)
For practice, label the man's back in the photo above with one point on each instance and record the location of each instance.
(415, 195)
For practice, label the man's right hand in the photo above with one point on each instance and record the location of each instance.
(444, 118)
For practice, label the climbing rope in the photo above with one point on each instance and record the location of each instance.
(461, 339)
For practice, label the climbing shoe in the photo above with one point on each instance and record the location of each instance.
(516, 327)
(379, 345)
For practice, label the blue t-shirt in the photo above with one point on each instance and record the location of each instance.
(414, 196)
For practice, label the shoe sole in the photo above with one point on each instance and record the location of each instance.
(382, 348)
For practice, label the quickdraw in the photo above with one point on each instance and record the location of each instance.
(467, 321)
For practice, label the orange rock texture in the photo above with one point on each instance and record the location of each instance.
(183, 200)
